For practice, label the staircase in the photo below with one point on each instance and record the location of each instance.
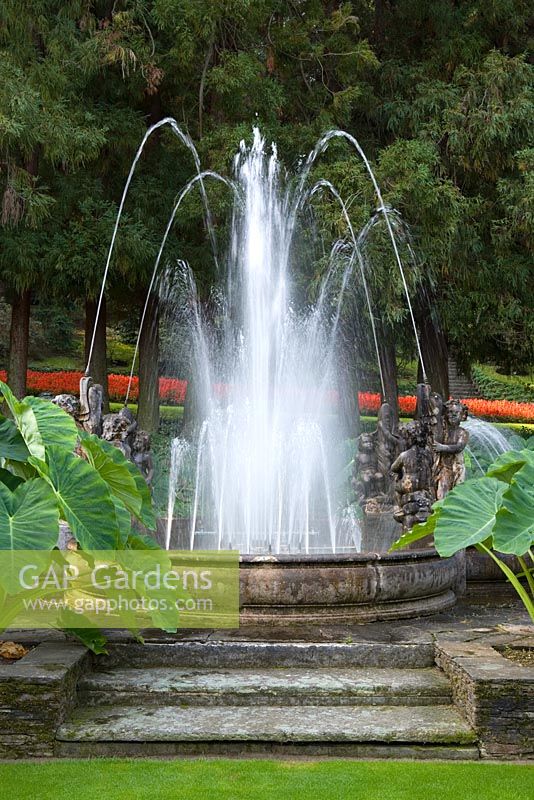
(460, 387)
(233, 698)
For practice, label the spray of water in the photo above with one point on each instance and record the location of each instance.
(185, 191)
(264, 452)
(319, 148)
(187, 141)
(179, 451)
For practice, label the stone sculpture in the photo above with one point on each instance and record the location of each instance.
(142, 455)
(120, 429)
(69, 403)
(413, 470)
(376, 453)
(449, 465)
(387, 446)
(367, 478)
(424, 457)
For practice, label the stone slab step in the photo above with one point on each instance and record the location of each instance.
(348, 730)
(268, 686)
(227, 654)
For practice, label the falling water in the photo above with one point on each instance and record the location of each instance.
(486, 442)
(266, 449)
(179, 450)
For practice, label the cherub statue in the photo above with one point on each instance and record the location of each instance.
(115, 430)
(367, 478)
(449, 466)
(413, 470)
(69, 403)
(142, 455)
(387, 448)
(119, 429)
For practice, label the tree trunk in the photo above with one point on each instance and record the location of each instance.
(433, 345)
(388, 361)
(348, 389)
(98, 368)
(148, 410)
(18, 342)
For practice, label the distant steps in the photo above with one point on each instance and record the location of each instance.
(460, 386)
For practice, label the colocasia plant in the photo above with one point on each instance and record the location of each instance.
(50, 471)
(495, 514)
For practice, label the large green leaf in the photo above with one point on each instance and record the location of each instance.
(124, 520)
(40, 423)
(142, 541)
(11, 401)
(111, 465)
(54, 424)
(26, 422)
(9, 479)
(146, 513)
(11, 442)
(419, 531)
(514, 525)
(468, 515)
(29, 517)
(83, 496)
(507, 464)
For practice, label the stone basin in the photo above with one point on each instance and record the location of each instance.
(291, 589)
(346, 588)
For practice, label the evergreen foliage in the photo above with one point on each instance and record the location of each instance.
(438, 93)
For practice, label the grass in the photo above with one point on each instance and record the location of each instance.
(122, 779)
(170, 413)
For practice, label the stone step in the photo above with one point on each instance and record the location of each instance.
(288, 686)
(227, 654)
(416, 731)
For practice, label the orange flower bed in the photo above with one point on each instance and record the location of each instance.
(173, 392)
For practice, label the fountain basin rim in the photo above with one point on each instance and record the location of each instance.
(246, 559)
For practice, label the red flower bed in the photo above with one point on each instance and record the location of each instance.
(500, 410)
(506, 410)
(173, 391)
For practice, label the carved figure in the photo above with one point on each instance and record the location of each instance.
(93, 423)
(387, 447)
(413, 470)
(367, 479)
(115, 430)
(142, 455)
(119, 429)
(449, 465)
(69, 403)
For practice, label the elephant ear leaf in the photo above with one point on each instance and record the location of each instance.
(29, 516)
(83, 496)
(514, 524)
(9, 479)
(145, 512)
(468, 514)
(507, 464)
(40, 423)
(419, 531)
(55, 425)
(25, 421)
(112, 467)
(12, 444)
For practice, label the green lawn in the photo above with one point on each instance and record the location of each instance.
(122, 779)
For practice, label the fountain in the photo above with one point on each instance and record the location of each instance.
(269, 443)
